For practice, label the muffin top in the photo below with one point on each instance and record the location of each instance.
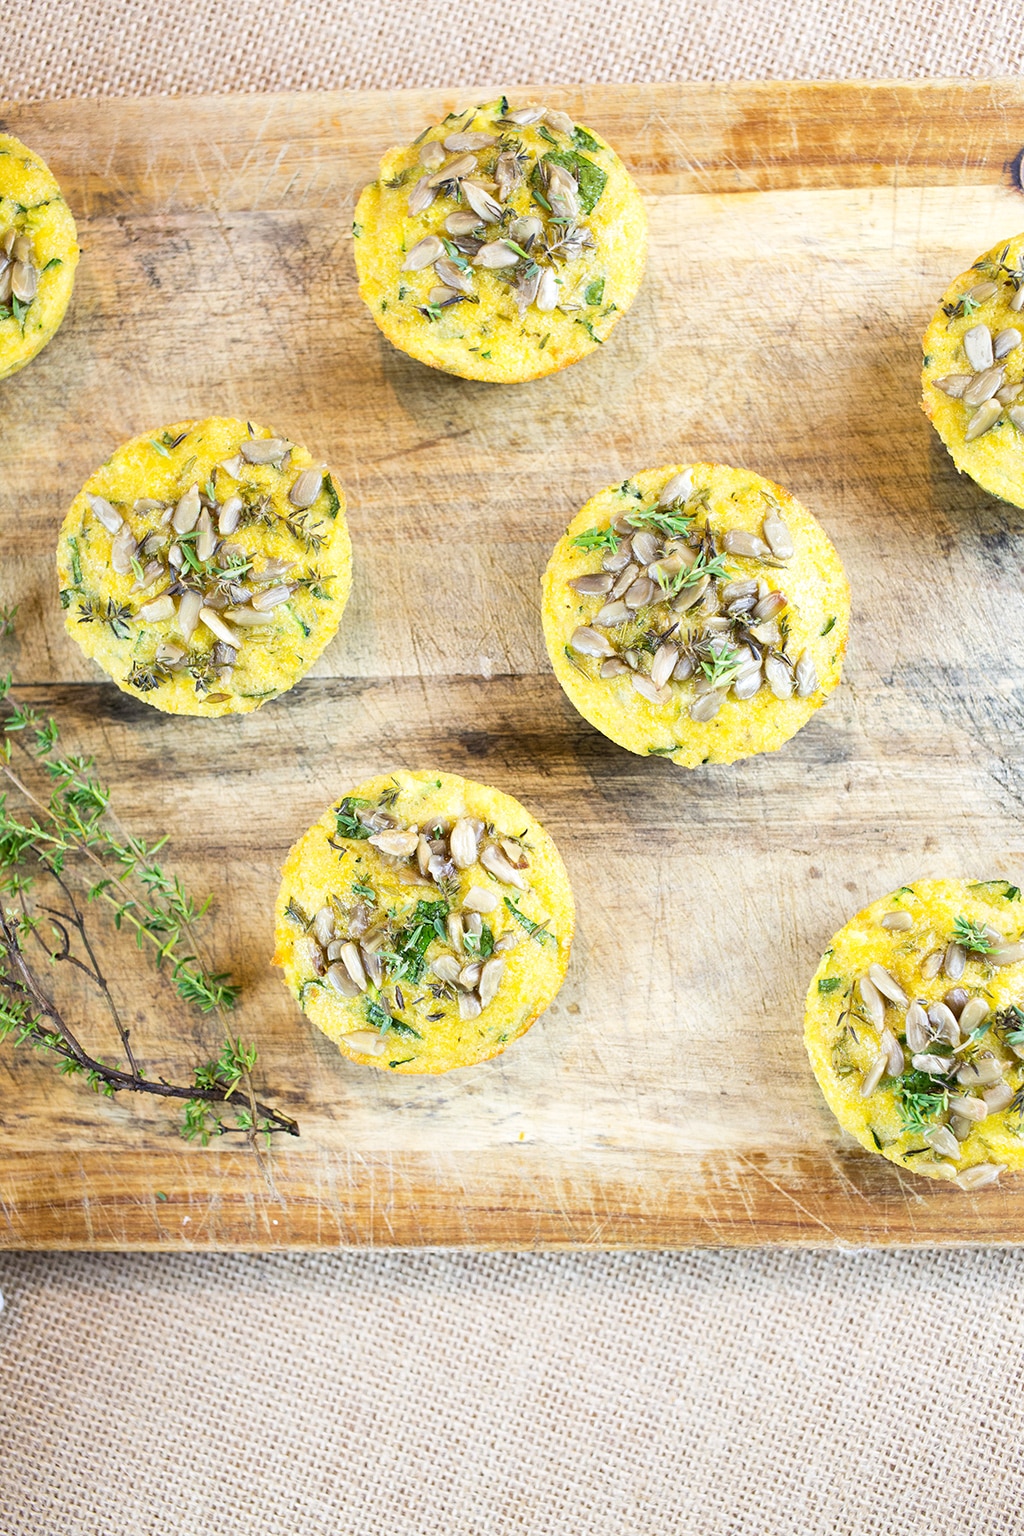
(503, 244)
(973, 375)
(424, 922)
(205, 566)
(696, 612)
(915, 1028)
(38, 255)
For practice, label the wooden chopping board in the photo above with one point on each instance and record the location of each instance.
(800, 238)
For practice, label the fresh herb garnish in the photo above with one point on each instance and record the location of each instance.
(596, 538)
(830, 983)
(972, 936)
(346, 820)
(537, 931)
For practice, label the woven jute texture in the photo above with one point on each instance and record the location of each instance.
(406, 1395)
(135, 47)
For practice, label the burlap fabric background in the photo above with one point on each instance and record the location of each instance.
(406, 1395)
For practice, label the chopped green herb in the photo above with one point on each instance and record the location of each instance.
(595, 538)
(584, 140)
(972, 936)
(594, 292)
(591, 180)
(536, 931)
(830, 983)
(829, 625)
(348, 823)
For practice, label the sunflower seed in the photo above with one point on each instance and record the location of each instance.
(707, 705)
(482, 203)
(264, 450)
(998, 1098)
(461, 223)
(341, 981)
(447, 967)
(895, 1062)
(472, 140)
(229, 515)
(122, 550)
(778, 677)
(464, 843)
(271, 597)
(525, 230)
(235, 467)
(353, 963)
(613, 667)
(1006, 954)
(954, 960)
(589, 643)
(944, 1023)
(1017, 300)
(982, 1072)
(323, 925)
(524, 117)
(689, 597)
(248, 617)
(496, 863)
(983, 420)
(206, 541)
(454, 276)
(24, 281)
(663, 665)
(874, 1003)
(746, 684)
(469, 976)
(490, 979)
(421, 196)
(1005, 342)
(645, 547)
(432, 156)
(981, 1174)
(160, 608)
(508, 173)
(373, 966)
(953, 384)
(778, 537)
(612, 615)
(592, 586)
(932, 1066)
(216, 625)
(982, 292)
(477, 899)
(967, 1107)
(423, 254)
(186, 513)
(547, 291)
(561, 122)
(678, 488)
(956, 1000)
(897, 921)
(21, 249)
(918, 1033)
(887, 985)
(623, 582)
(739, 542)
(642, 593)
(978, 347)
(454, 170)
(306, 488)
(941, 1139)
(469, 1005)
(647, 690)
(496, 254)
(974, 1012)
(106, 514)
(932, 964)
(189, 609)
(806, 676)
(443, 296)
(960, 1127)
(365, 1042)
(396, 844)
(873, 1076)
(770, 606)
(984, 385)
(615, 559)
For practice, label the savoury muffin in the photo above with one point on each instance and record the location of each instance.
(424, 922)
(915, 1028)
(697, 613)
(38, 255)
(502, 245)
(973, 374)
(205, 567)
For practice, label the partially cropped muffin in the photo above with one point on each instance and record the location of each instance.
(503, 244)
(915, 1028)
(973, 377)
(696, 612)
(205, 567)
(424, 922)
(38, 255)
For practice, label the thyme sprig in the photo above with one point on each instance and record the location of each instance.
(972, 936)
(40, 847)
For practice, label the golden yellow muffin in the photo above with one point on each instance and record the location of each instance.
(424, 922)
(974, 371)
(696, 612)
(502, 245)
(38, 255)
(915, 1028)
(205, 566)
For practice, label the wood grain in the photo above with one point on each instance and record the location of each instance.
(800, 236)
